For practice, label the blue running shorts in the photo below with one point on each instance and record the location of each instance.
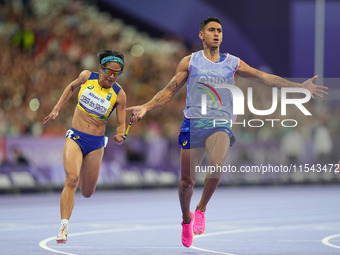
(86, 142)
(194, 132)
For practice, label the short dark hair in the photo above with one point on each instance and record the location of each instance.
(112, 52)
(207, 20)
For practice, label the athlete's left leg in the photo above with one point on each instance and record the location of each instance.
(217, 146)
(90, 172)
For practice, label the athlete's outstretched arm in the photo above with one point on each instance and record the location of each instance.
(166, 94)
(121, 117)
(68, 92)
(247, 71)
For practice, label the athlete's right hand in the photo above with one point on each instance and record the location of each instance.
(52, 116)
(138, 112)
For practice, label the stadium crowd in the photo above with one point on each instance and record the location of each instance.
(45, 46)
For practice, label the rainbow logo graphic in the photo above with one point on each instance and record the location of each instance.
(209, 93)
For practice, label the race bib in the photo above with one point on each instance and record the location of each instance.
(94, 103)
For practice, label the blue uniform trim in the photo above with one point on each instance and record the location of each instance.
(116, 88)
(222, 58)
(94, 76)
(86, 142)
(113, 108)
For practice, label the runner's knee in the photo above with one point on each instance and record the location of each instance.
(216, 162)
(187, 183)
(72, 181)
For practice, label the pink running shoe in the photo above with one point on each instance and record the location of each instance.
(62, 235)
(199, 224)
(187, 235)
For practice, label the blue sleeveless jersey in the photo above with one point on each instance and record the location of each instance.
(207, 94)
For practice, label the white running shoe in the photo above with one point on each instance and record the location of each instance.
(62, 235)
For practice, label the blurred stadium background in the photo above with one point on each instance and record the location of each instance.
(46, 43)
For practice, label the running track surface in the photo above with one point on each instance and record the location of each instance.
(273, 220)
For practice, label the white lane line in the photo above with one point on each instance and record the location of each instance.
(225, 233)
(325, 241)
(247, 230)
(43, 243)
(211, 251)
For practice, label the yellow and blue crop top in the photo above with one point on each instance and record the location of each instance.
(96, 101)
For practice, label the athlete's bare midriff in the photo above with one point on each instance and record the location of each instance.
(88, 124)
